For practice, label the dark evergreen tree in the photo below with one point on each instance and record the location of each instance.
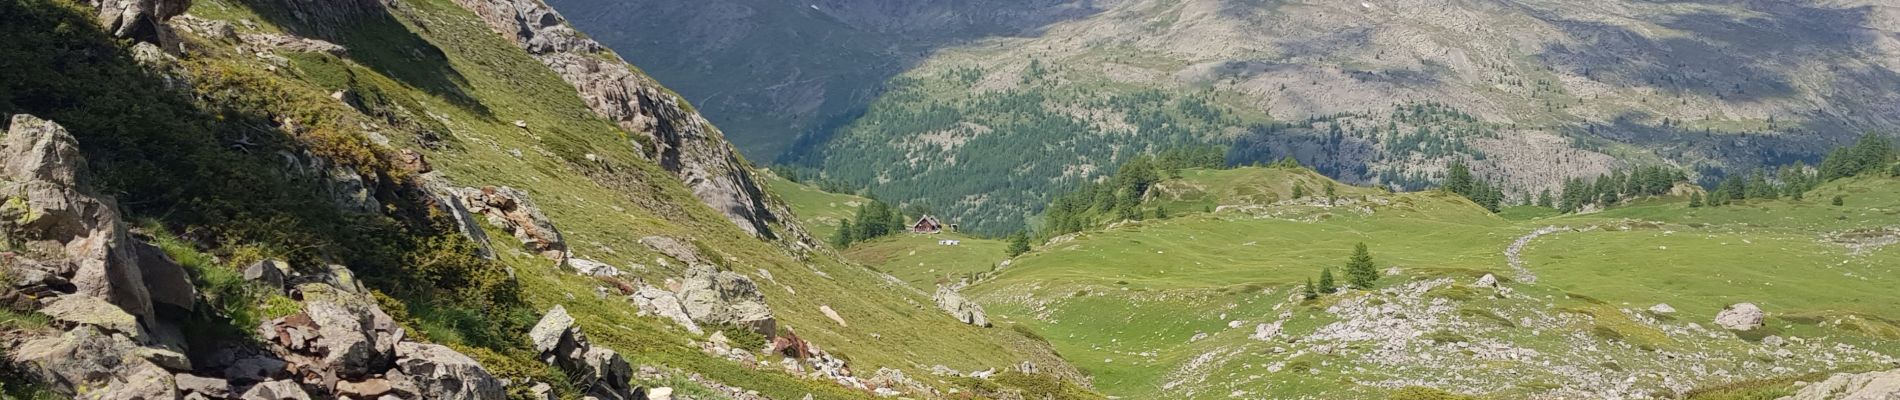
(1307, 292)
(1695, 200)
(1360, 270)
(1326, 283)
(842, 238)
(1018, 244)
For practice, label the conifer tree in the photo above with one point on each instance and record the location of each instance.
(1299, 190)
(1359, 270)
(1307, 291)
(1326, 284)
(1695, 200)
(842, 238)
(1018, 244)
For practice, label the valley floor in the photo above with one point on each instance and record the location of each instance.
(1615, 304)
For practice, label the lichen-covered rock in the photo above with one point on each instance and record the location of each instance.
(88, 363)
(660, 302)
(60, 220)
(1740, 317)
(712, 296)
(82, 310)
(442, 373)
(962, 308)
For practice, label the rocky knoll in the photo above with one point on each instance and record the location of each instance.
(108, 293)
(1884, 385)
(681, 141)
(960, 307)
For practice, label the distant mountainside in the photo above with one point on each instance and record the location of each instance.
(768, 71)
(1375, 92)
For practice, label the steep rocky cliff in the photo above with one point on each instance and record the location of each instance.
(675, 136)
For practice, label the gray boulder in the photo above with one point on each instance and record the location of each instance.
(137, 19)
(334, 340)
(57, 218)
(276, 390)
(1740, 317)
(657, 301)
(165, 280)
(712, 296)
(600, 372)
(204, 386)
(86, 362)
(678, 249)
(442, 373)
(271, 273)
(960, 307)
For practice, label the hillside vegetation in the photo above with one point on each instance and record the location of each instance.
(1207, 302)
(210, 144)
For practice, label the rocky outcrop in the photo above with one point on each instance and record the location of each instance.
(137, 19)
(74, 234)
(677, 138)
(960, 307)
(514, 212)
(447, 198)
(1882, 385)
(600, 372)
(1740, 317)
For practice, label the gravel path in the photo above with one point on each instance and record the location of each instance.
(1513, 254)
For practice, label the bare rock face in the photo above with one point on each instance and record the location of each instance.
(90, 363)
(1882, 385)
(1740, 317)
(960, 307)
(75, 233)
(680, 140)
(599, 371)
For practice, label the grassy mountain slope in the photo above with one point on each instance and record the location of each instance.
(428, 76)
(1166, 308)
